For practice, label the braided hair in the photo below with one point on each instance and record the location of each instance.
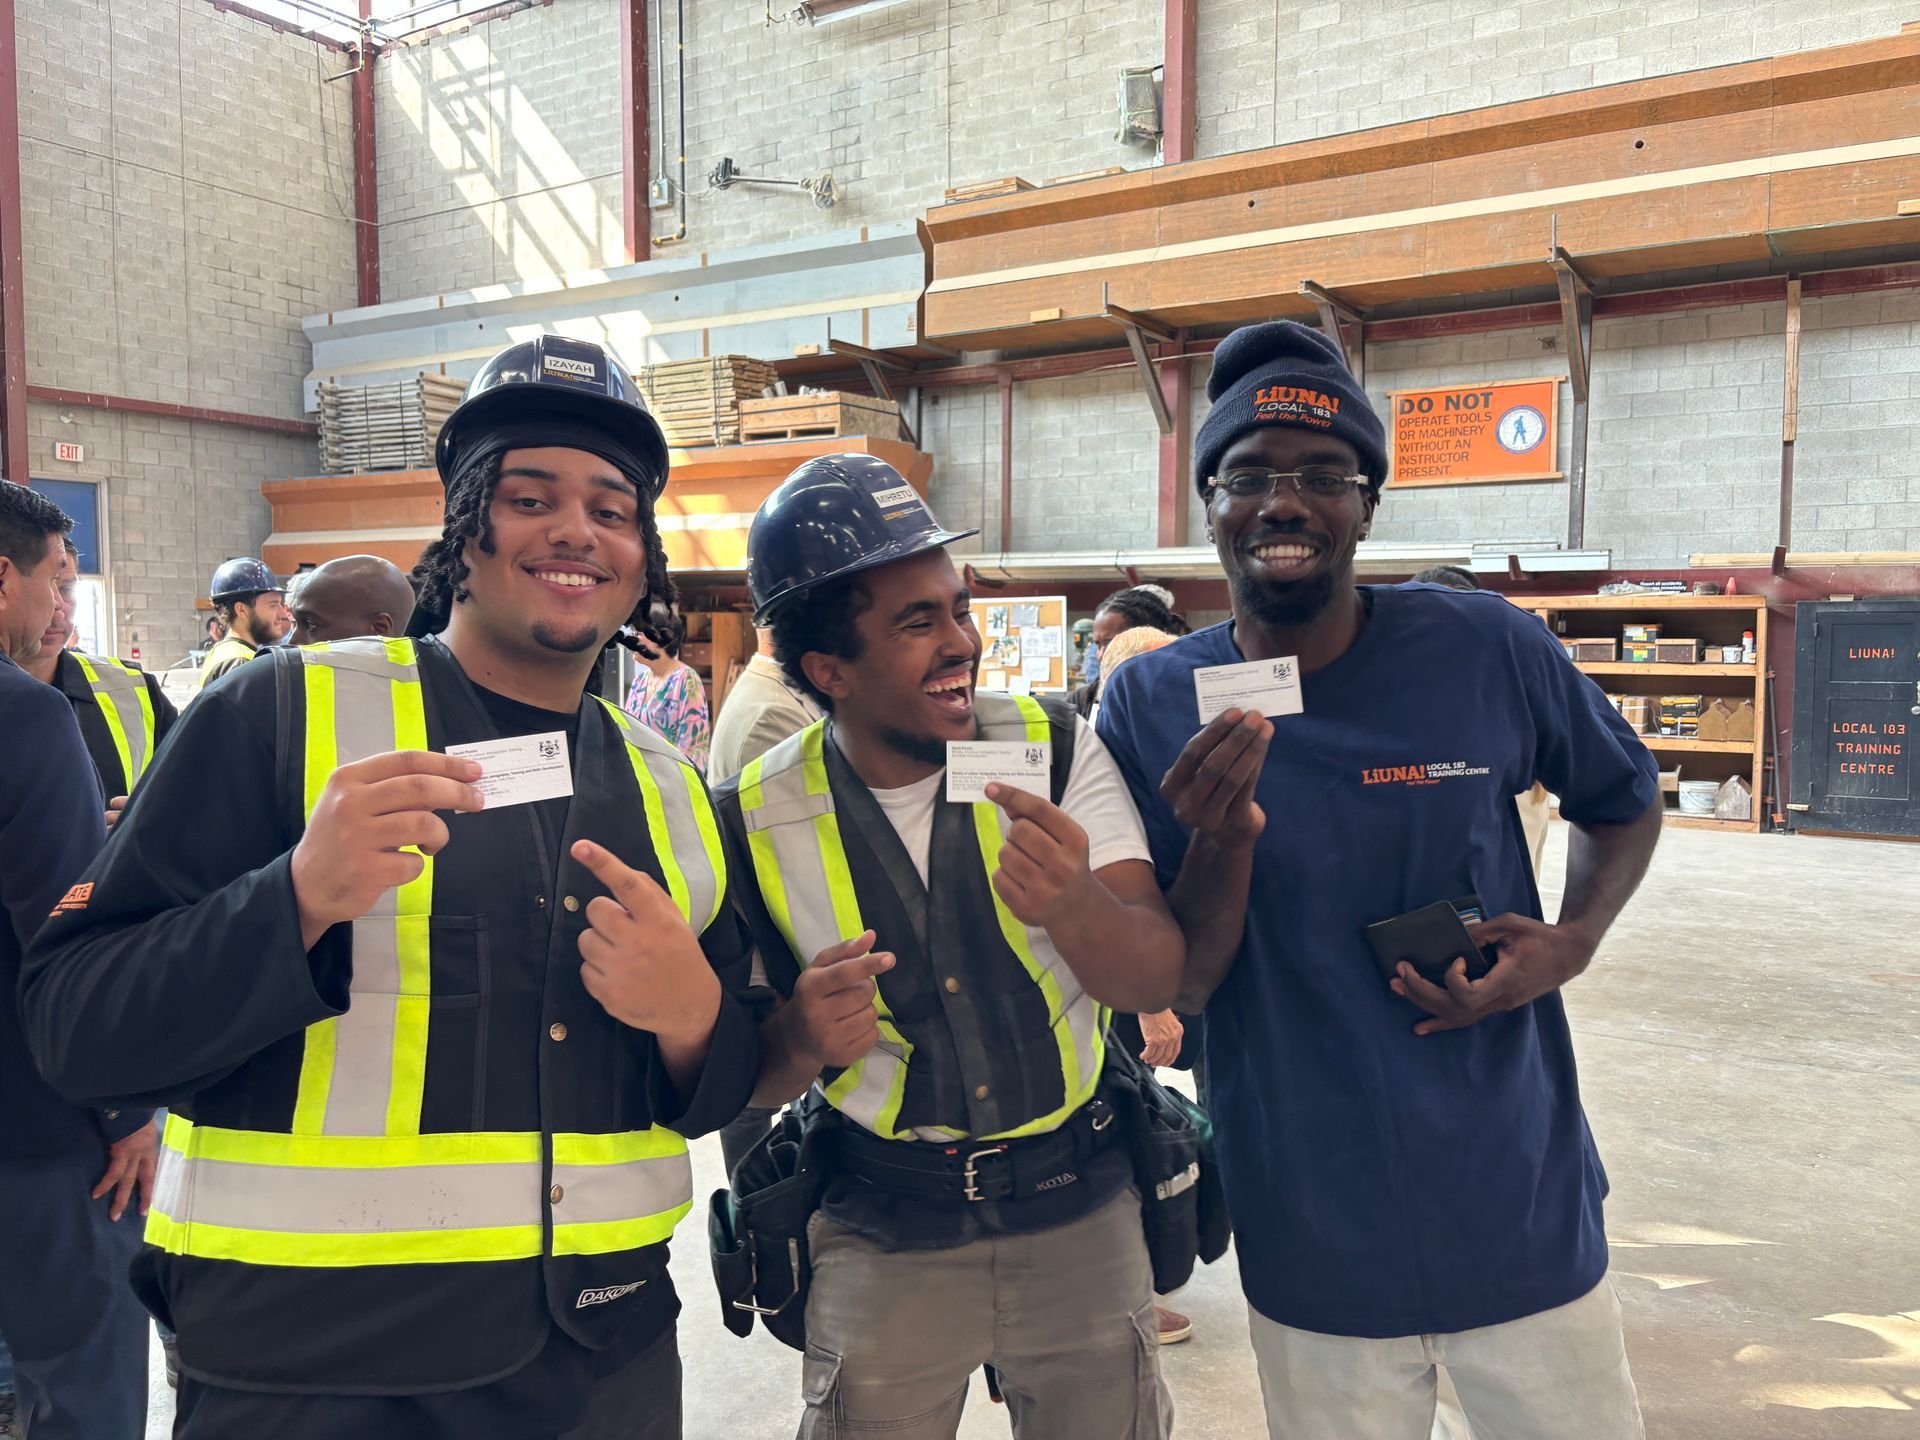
(441, 576)
(1139, 605)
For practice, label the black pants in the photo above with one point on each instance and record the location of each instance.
(638, 1401)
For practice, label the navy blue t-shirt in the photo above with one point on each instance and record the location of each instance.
(1383, 1183)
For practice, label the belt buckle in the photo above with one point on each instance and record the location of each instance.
(972, 1173)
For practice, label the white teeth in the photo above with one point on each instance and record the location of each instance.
(1284, 552)
(957, 682)
(559, 578)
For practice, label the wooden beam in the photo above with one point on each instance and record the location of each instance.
(1006, 461)
(1176, 455)
(1576, 323)
(1336, 313)
(636, 218)
(1789, 416)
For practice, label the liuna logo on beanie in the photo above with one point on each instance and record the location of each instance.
(1295, 405)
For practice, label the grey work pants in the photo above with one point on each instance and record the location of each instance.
(67, 1310)
(1065, 1316)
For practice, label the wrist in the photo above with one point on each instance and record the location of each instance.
(702, 1015)
(793, 1037)
(1583, 937)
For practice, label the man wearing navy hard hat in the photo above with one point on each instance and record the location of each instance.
(948, 965)
(250, 600)
(437, 1012)
(1412, 1181)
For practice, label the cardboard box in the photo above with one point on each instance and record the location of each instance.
(1596, 652)
(1637, 711)
(1677, 652)
(1638, 652)
(1670, 781)
(1641, 632)
(1680, 715)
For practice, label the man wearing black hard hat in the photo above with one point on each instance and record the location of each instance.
(1397, 1115)
(433, 1027)
(949, 965)
(251, 603)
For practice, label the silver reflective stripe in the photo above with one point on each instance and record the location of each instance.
(112, 683)
(363, 726)
(593, 1193)
(676, 780)
(340, 1200)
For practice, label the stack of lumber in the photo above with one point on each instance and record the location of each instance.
(989, 189)
(698, 402)
(832, 412)
(384, 427)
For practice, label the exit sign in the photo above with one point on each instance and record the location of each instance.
(64, 450)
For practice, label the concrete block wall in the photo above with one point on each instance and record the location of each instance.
(1856, 482)
(187, 198)
(499, 152)
(1274, 71)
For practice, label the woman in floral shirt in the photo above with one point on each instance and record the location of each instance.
(668, 697)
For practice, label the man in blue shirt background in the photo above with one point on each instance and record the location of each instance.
(1410, 1172)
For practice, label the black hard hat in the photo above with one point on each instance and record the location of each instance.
(834, 516)
(559, 378)
(242, 578)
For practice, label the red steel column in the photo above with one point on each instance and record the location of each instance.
(1176, 377)
(366, 174)
(636, 219)
(14, 464)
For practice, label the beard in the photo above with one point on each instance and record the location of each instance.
(1284, 604)
(566, 642)
(259, 631)
(915, 747)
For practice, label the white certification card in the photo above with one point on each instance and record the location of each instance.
(972, 765)
(1270, 686)
(520, 769)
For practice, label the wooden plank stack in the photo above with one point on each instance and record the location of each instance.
(698, 402)
(384, 427)
(991, 189)
(800, 417)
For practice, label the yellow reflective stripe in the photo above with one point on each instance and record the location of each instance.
(657, 832)
(316, 1062)
(619, 1148)
(288, 1248)
(1078, 1088)
(413, 905)
(709, 838)
(351, 1152)
(606, 1237)
(1039, 731)
(110, 713)
(146, 718)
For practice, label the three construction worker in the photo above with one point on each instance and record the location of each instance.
(433, 1029)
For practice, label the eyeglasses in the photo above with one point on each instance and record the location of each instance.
(1316, 482)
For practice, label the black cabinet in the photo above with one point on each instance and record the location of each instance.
(1856, 717)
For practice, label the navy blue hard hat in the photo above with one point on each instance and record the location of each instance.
(576, 389)
(834, 516)
(242, 579)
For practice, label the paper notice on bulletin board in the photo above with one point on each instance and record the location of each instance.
(1024, 643)
(1476, 434)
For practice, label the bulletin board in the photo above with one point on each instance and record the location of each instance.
(1023, 643)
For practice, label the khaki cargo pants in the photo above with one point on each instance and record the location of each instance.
(1065, 1316)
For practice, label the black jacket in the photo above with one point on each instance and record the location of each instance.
(51, 828)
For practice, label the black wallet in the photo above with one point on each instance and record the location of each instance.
(1430, 939)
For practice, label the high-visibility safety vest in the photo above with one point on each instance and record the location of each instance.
(127, 708)
(460, 1223)
(225, 654)
(817, 896)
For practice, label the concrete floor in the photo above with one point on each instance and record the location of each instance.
(1749, 1044)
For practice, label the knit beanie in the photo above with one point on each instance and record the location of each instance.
(1285, 373)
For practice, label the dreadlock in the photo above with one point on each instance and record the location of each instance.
(441, 576)
(1140, 605)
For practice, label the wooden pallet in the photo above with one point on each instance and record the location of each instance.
(390, 426)
(801, 417)
(697, 402)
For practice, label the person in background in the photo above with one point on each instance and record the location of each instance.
(1536, 806)
(1162, 1038)
(354, 595)
(667, 695)
(1147, 605)
(216, 631)
(76, 1333)
(120, 725)
(251, 603)
(761, 710)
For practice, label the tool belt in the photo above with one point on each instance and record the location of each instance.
(757, 1231)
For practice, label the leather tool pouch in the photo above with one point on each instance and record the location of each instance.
(757, 1232)
(1182, 1205)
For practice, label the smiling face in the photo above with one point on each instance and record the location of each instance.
(567, 563)
(1286, 556)
(911, 685)
(263, 620)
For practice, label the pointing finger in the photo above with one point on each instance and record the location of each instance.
(635, 891)
(845, 950)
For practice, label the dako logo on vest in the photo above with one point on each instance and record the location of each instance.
(1430, 774)
(602, 1297)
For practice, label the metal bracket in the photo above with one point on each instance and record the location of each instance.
(1139, 329)
(1335, 315)
(874, 364)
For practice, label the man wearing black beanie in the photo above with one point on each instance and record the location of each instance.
(1412, 1180)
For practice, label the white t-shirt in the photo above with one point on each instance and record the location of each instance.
(1096, 798)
